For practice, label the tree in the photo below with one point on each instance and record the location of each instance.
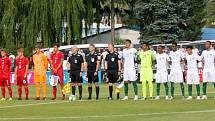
(210, 13)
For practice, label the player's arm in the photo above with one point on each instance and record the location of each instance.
(82, 65)
(15, 72)
(68, 64)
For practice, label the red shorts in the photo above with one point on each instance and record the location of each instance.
(21, 81)
(60, 74)
(4, 81)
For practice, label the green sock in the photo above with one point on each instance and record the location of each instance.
(182, 88)
(158, 89)
(214, 85)
(126, 88)
(198, 90)
(135, 88)
(190, 90)
(166, 88)
(172, 89)
(204, 88)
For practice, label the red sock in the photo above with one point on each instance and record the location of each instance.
(26, 91)
(3, 92)
(54, 91)
(10, 91)
(20, 92)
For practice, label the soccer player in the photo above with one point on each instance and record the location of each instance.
(147, 59)
(76, 65)
(176, 74)
(162, 60)
(40, 67)
(112, 67)
(92, 65)
(129, 71)
(56, 62)
(192, 72)
(208, 57)
(21, 71)
(5, 69)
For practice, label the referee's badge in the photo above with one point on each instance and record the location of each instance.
(76, 61)
(92, 59)
(112, 59)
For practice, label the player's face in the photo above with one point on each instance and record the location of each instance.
(189, 51)
(144, 47)
(159, 49)
(74, 50)
(20, 53)
(55, 48)
(91, 48)
(127, 44)
(174, 47)
(3, 53)
(110, 48)
(37, 50)
(207, 45)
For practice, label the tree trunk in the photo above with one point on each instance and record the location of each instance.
(112, 22)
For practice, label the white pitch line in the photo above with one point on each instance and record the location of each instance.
(108, 116)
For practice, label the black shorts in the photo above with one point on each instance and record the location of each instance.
(112, 76)
(91, 77)
(75, 77)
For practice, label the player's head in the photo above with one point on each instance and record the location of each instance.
(189, 49)
(208, 45)
(3, 52)
(74, 49)
(92, 48)
(160, 49)
(56, 47)
(111, 47)
(37, 49)
(127, 43)
(20, 52)
(174, 46)
(145, 46)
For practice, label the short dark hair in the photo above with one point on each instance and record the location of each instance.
(128, 40)
(174, 43)
(56, 44)
(38, 46)
(20, 50)
(145, 43)
(209, 42)
(4, 50)
(161, 46)
(189, 47)
(92, 45)
(111, 44)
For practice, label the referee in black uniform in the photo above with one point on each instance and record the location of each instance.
(112, 67)
(76, 65)
(92, 64)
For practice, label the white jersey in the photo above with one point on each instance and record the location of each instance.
(128, 56)
(192, 61)
(176, 58)
(208, 57)
(162, 61)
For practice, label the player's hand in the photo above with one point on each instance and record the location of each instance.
(95, 73)
(55, 71)
(25, 75)
(119, 73)
(81, 74)
(15, 77)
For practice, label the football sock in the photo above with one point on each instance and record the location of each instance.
(90, 91)
(166, 88)
(198, 90)
(26, 91)
(158, 89)
(190, 90)
(73, 90)
(80, 91)
(172, 89)
(19, 91)
(126, 89)
(97, 92)
(144, 88)
(37, 89)
(182, 88)
(150, 88)
(204, 88)
(54, 91)
(110, 90)
(44, 89)
(10, 91)
(3, 91)
(135, 88)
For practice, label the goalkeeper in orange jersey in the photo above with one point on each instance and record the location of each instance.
(40, 67)
(21, 71)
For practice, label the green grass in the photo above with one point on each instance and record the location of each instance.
(148, 110)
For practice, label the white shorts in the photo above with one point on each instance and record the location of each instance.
(193, 77)
(129, 74)
(208, 75)
(176, 76)
(161, 76)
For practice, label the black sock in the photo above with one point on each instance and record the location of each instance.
(80, 91)
(110, 91)
(73, 90)
(97, 92)
(118, 96)
(90, 91)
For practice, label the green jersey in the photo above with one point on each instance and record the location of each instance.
(146, 58)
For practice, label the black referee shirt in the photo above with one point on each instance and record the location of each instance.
(91, 60)
(112, 61)
(75, 62)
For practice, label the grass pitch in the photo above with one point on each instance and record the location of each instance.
(104, 110)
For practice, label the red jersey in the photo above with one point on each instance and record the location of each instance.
(21, 64)
(56, 59)
(5, 64)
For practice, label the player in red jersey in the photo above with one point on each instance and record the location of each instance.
(5, 69)
(56, 63)
(21, 71)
